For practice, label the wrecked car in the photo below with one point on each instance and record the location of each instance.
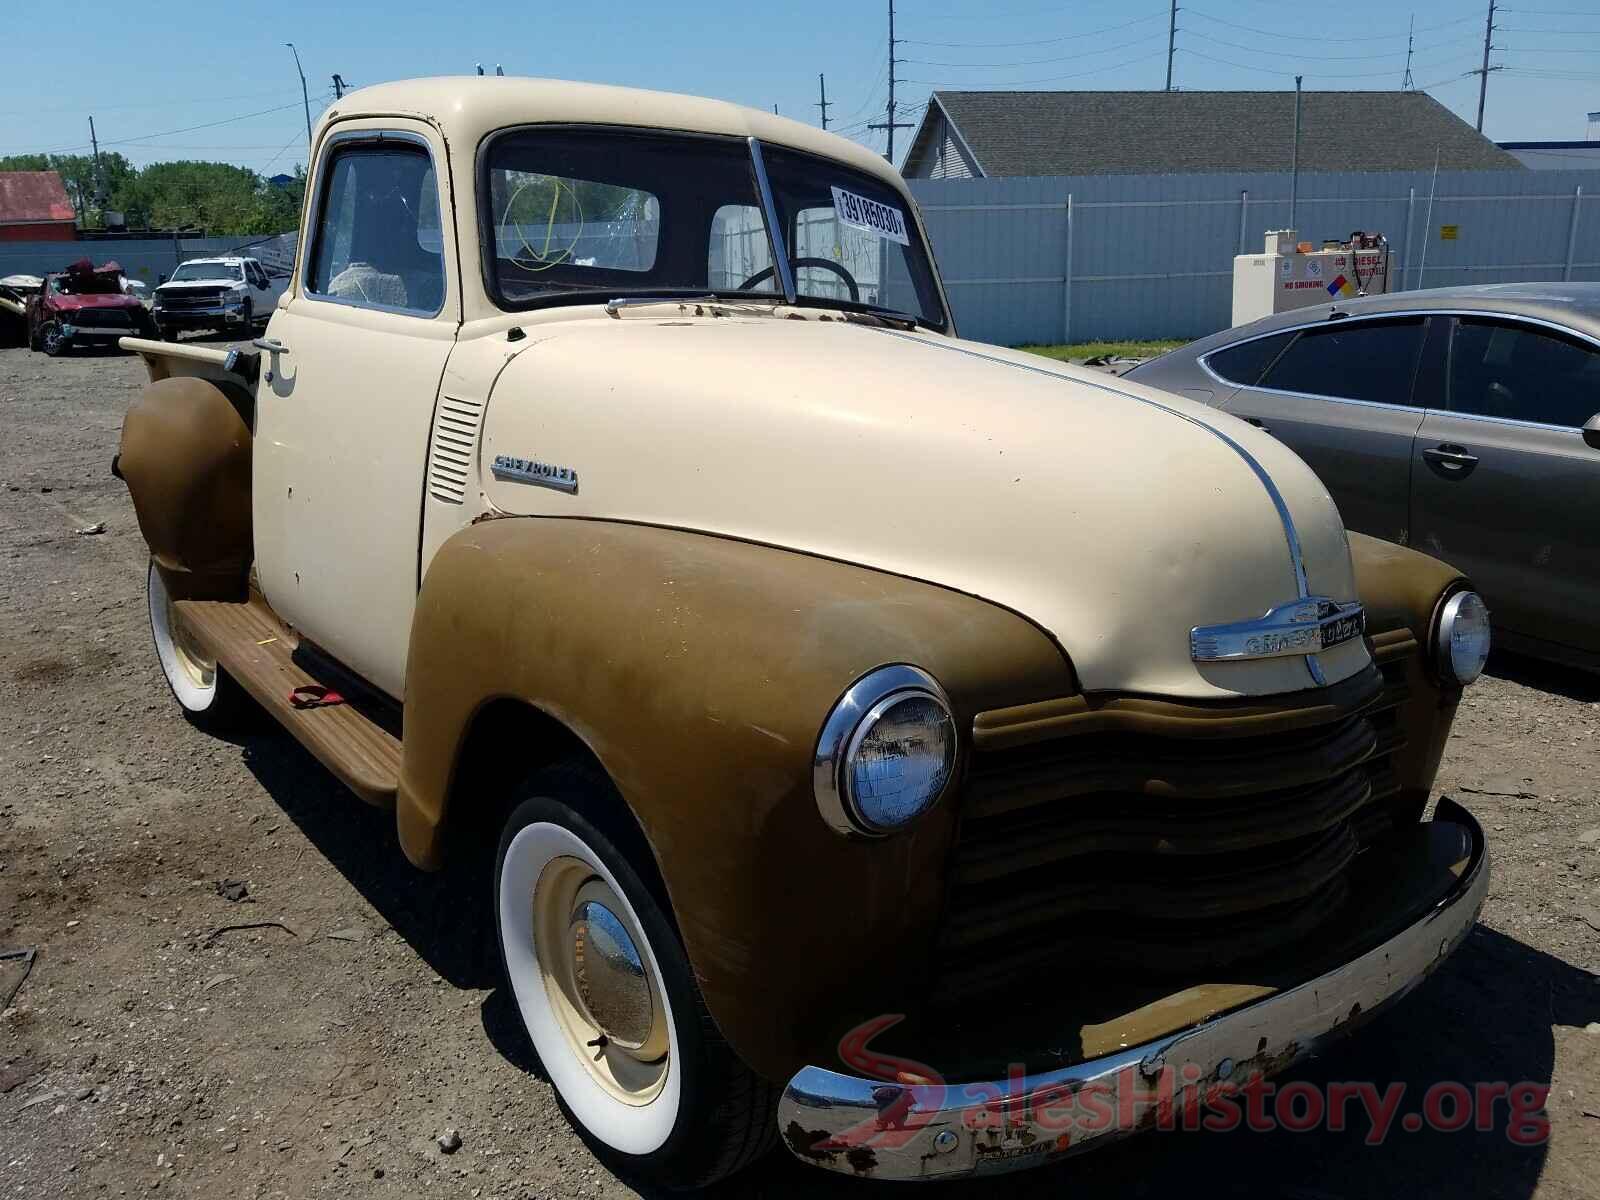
(15, 293)
(881, 741)
(84, 305)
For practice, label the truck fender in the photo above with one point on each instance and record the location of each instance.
(185, 456)
(698, 671)
(1401, 590)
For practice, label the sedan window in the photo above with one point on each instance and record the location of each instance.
(1244, 363)
(1519, 373)
(1370, 360)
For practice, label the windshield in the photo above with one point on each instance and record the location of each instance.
(191, 271)
(577, 215)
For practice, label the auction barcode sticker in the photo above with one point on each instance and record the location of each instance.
(881, 219)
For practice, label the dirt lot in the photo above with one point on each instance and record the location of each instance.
(148, 1051)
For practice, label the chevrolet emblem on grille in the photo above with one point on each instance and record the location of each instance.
(1308, 626)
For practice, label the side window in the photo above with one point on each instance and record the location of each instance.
(1244, 363)
(1367, 360)
(376, 240)
(257, 279)
(1520, 373)
(738, 248)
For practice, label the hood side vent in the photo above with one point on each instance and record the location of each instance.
(453, 447)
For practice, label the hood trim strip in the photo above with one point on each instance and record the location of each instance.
(1291, 536)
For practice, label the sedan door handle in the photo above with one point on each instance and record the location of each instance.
(270, 345)
(1258, 423)
(1450, 461)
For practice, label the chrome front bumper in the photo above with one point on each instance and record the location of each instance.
(881, 1130)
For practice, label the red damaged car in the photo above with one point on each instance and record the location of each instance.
(83, 306)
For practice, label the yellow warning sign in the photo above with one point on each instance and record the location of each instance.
(1447, 233)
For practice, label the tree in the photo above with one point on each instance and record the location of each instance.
(77, 172)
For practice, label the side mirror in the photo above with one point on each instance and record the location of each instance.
(1591, 431)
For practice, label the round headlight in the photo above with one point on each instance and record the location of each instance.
(1462, 639)
(887, 752)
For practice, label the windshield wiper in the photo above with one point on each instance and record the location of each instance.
(617, 303)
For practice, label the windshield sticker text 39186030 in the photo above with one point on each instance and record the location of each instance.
(882, 219)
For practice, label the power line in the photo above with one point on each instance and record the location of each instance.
(1389, 54)
(1290, 74)
(1066, 37)
(1301, 37)
(1034, 62)
(1013, 83)
(145, 137)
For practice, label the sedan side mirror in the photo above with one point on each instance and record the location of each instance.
(1591, 431)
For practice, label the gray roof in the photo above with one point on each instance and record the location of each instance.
(1137, 133)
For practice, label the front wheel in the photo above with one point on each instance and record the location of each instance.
(608, 999)
(52, 341)
(208, 695)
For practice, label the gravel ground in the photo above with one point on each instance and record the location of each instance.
(153, 1048)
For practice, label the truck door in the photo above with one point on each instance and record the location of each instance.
(355, 358)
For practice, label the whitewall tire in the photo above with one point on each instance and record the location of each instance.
(206, 693)
(605, 992)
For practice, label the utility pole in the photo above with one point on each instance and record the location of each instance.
(1172, 40)
(340, 87)
(99, 178)
(1406, 84)
(889, 123)
(305, 96)
(1483, 72)
(822, 87)
(1294, 162)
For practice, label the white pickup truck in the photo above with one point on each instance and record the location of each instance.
(216, 293)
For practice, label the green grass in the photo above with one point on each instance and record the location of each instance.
(1096, 349)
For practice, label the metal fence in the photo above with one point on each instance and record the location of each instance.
(1080, 258)
(146, 259)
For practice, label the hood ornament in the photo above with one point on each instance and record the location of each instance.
(1299, 627)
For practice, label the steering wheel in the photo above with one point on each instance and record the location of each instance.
(828, 263)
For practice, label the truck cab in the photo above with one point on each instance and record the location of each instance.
(856, 711)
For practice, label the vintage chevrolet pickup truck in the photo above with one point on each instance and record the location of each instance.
(899, 746)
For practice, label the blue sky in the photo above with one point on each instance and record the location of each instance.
(142, 69)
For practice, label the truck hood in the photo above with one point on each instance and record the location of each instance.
(71, 304)
(186, 285)
(1113, 516)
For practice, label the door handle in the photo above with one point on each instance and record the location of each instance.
(1450, 461)
(1258, 423)
(270, 345)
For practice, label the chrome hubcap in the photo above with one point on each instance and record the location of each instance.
(609, 975)
(601, 985)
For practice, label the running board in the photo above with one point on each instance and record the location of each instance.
(266, 658)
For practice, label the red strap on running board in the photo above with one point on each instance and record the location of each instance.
(314, 695)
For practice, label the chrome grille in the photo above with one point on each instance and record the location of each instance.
(1159, 854)
(192, 298)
